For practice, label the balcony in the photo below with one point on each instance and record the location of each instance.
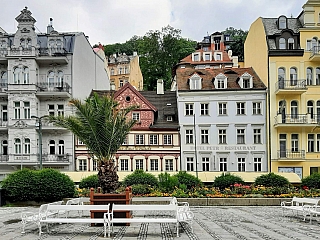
(315, 54)
(298, 120)
(291, 86)
(52, 55)
(55, 158)
(4, 158)
(3, 124)
(285, 155)
(3, 88)
(21, 52)
(59, 89)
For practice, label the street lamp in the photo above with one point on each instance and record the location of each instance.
(195, 143)
(39, 130)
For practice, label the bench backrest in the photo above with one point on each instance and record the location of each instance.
(143, 207)
(53, 208)
(305, 201)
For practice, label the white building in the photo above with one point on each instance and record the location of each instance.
(40, 72)
(222, 117)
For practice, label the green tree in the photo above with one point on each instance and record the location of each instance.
(239, 37)
(102, 126)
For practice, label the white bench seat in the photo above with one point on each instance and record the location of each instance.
(300, 205)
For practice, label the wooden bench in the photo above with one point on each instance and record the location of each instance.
(299, 205)
(78, 219)
(30, 217)
(171, 209)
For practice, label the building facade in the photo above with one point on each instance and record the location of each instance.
(285, 53)
(124, 69)
(40, 72)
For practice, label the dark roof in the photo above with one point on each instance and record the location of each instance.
(271, 27)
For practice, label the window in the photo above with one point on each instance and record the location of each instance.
(26, 75)
(310, 142)
(282, 22)
(121, 83)
(207, 57)
(222, 136)
(189, 136)
(204, 136)
(281, 77)
(167, 139)
(189, 109)
(309, 76)
(223, 164)
(51, 110)
(241, 164)
(216, 41)
(282, 43)
(220, 81)
(310, 109)
(112, 72)
(293, 76)
(79, 142)
(4, 147)
(196, 57)
(257, 136)
(60, 79)
(318, 142)
(4, 79)
(222, 108)
(246, 83)
(4, 113)
(221, 84)
(59, 45)
(60, 110)
(256, 108)
(139, 164)
(136, 116)
(169, 164)
(190, 164)
(17, 146)
(290, 43)
(17, 110)
(26, 106)
(61, 147)
(240, 136)
(52, 147)
(124, 165)
(26, 146)
(294, 110)
(139, 139)
(204, 109)
(154, 165)
(120, 70)
(51, 79)
(153, 139)
(125, 141)
(169, 119)
(241, 110)
(16, 75)
(195, 82)
(317, 76)
(218, 57)
(94, 165)
(82, 164)
(257, 164)
(205, 164)
(294, 142)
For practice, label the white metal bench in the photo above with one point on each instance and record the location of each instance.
(78, 219)
(171, 209)
(299, 205)
(30, 217)
(312, 211)
(184, 212)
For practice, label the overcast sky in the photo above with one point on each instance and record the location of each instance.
(112, 21)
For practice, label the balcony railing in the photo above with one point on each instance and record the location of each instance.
(315, 51)
(54, 52)
(297, 119)
(53, 87)
(4, 158)
(3, 87)
(56, 157)
(293, 84)
(3, 123)
(289, 154)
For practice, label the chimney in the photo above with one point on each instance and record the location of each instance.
(50, 27)
(135, 53)
(160, 89)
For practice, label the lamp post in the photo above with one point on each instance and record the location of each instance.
(195, 143)
(39, 130)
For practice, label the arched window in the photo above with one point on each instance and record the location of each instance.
(27, 146)
(3, 44)
(4, 78)
(314, 44)
(282, 110)
(290, 43)
(318, 111)
(293, 76)
(294, 109)
(60, 79)
(309, 76)
(61, 147)
(17, 146)
(112, 72)
(16, 75)
(282, 43)
(51, 46)
(282, 22)
(51, 79)
(281, 77)
(4, 147)
(317, 76)
(22, 43)
(26, 75)
(310, 108)
(28, 43)
(52, 147)
(59, 45)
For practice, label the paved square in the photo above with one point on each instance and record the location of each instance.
(225, 223)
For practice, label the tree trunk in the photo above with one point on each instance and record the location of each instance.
(108, 177)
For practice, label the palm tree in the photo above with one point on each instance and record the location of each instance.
(102, 126)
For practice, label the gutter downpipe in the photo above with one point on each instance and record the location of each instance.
(269, 117)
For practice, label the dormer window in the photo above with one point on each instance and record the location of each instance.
(195, 82)
(220, 81)
(282, 22)
(207, 56)
(169, 119)
(195, 57)
(218, 56)
(290, 43)
(282, 43)
(245, 81)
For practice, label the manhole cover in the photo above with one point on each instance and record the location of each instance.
(11, 221)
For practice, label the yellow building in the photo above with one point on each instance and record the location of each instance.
(285, 54)
(123, 69)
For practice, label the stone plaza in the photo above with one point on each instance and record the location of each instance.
(223, 222)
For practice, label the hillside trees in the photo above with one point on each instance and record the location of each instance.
(239, 37)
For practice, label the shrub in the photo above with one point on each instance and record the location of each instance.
(271, 180)
(47, 185)
(140, 177)
(89, 182)
(141, 189)
(167, 183)
(312, 181)
(188, 179)
(226, 180)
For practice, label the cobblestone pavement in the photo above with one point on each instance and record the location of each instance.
(217, 223)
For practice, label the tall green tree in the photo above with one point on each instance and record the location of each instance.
(102, 126)
(239, 37)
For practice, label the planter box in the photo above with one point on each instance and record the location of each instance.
(106, 198)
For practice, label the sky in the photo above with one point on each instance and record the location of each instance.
(116, 21)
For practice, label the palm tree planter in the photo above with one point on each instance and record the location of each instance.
(102, 126)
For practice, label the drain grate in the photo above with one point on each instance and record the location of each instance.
(12, 221)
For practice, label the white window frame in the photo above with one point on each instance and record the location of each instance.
(83, 165)
(195, 82)
(220, 81)
(241, 108)
(189, 136)
(204, 135)
(246, 77)
(204, 109)
(222, 136)
(257, 164)
(124, 165)
(189, 109)
(257, 136)
(26, 110)
(222, 109)
(139, 164)
(139, 139)
(153, 139)
(167, 139)
(241, 164)
(169, 165)
(256, 108)
(241, 136)
(190, 164)
(136, 116)
(154, 164)
(205, 164)
(223, 164)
